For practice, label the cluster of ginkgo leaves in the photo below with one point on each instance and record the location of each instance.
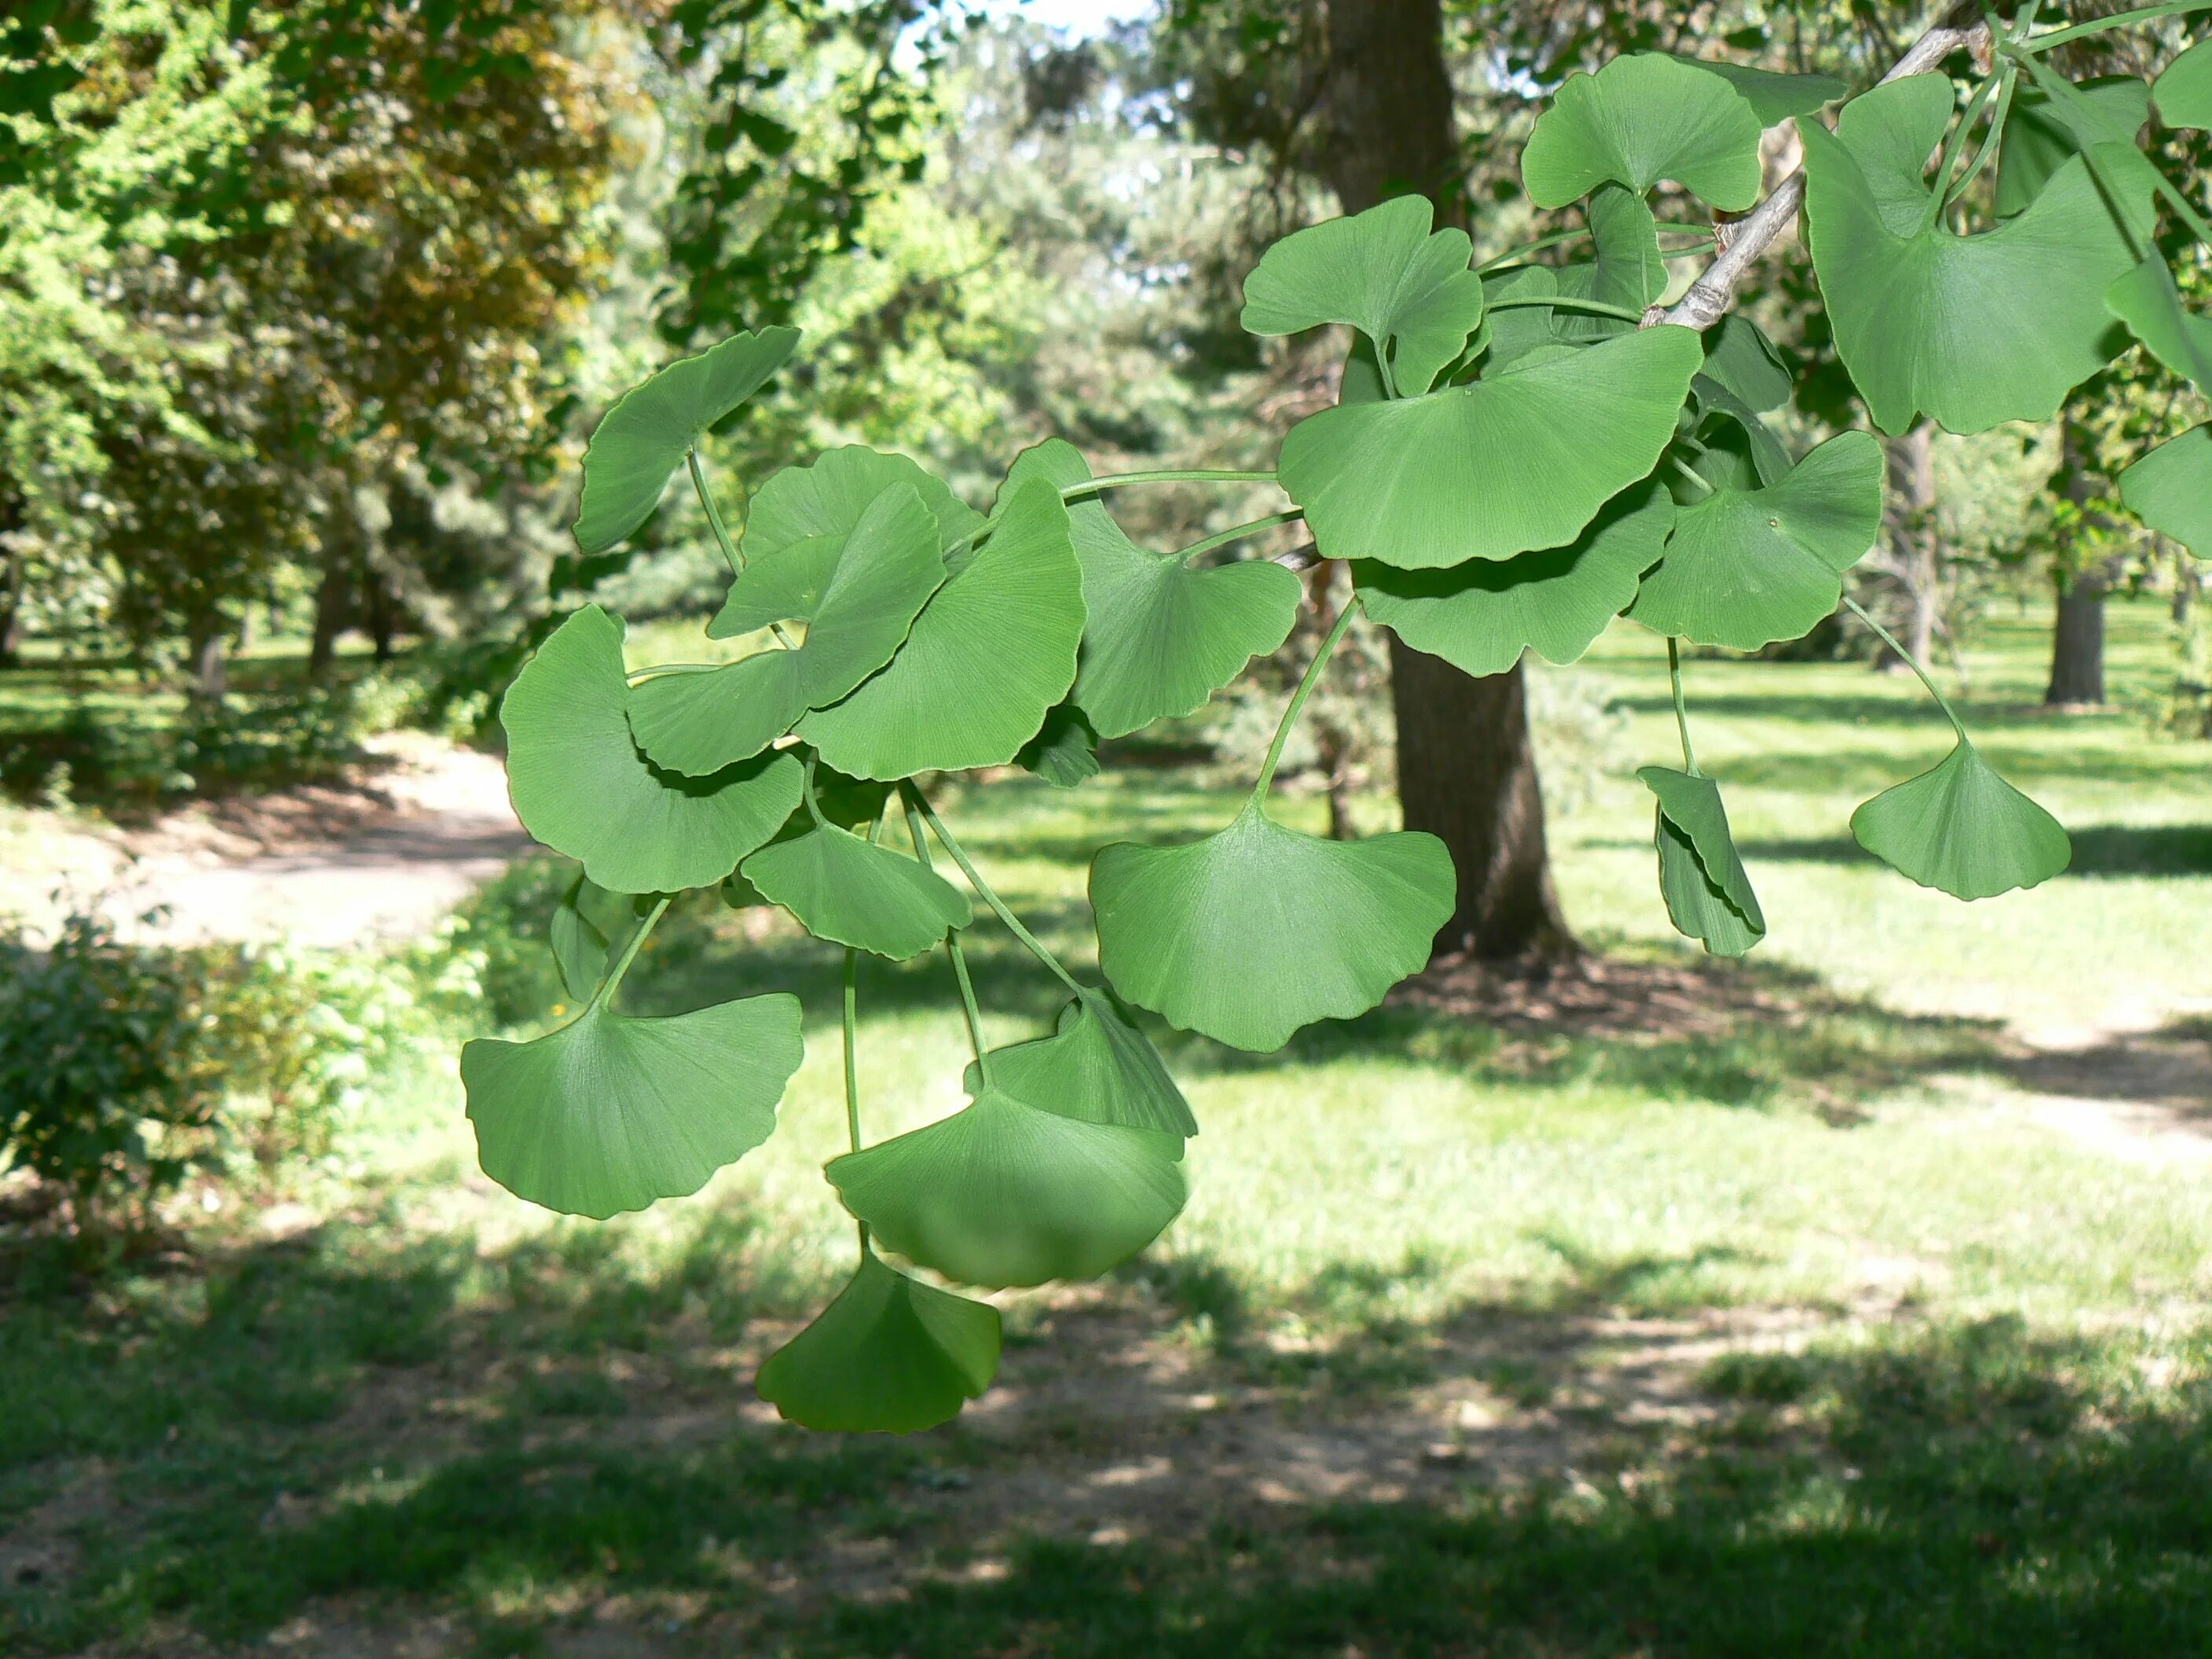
(1522, 452)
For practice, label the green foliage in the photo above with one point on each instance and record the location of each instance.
(1960, 827)
(1707, 890)
(1638, 120)
(889, 1355)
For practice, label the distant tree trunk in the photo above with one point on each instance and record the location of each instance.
(209, 648)
(383, 617)
(333, 610)
(1916, 553)
(2077, 644)
(1467, 770)
(11, 611)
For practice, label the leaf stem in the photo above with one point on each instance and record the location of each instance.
(1237, 533)
(1681, 711)
(915, 800)
(1704, 484)
(655, 671)
(1910, 661)
(737, 561)
(959, 960)
(1939, 194)
(1559, 238)
(636, 942)
(1298, 697)
(2066, 91)
(806, 793)
(1077, 491)
(2118, 19)
(852, 1064)
(1565, 302)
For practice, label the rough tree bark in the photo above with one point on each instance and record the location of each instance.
(1915, 557)
(1466, 771)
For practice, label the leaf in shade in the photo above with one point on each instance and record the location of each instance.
(1160, 637)
(612, 1112)
(1481, 616)
(1518, 334)
(580, 787)
(1098, 1066)
(858, 609)
(990, 654)
(1639, 119)
(1065, 752)
(2183, 92)
(1775, 98)
(1707, 891)
(1961, 828)
(2039, 138)
(889, 1356)
(1003, 1193)
(1746, 566)
(1973, 330)
(828, 498)
(1764, 460)
(1628, 270)
(1385, 272)
(1257, 930)
(2170, 490)
(1739, 357)
(647, 434)
(586, 918)
(2147, 301)
(851, 891)
(1558, 439)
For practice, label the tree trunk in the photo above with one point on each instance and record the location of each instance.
(1916, 557)
(333, 605)
(11, 612)
(211, 659)
(1467, 770)
(2077, 644)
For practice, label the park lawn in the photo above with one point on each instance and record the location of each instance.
(1782, 1320)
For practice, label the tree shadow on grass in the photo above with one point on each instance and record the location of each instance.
(2100, 850)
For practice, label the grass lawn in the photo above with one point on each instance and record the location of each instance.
(1851, 1301)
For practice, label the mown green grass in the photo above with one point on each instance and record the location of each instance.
(430, 1420)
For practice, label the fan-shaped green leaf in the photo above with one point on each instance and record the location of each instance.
(1739, 357)
(581, 786)
(1639, 119)
(2170, 490)
(1481, 616)
(1972, 330)
(1257, 930)
(1399, 482)
(2183, 92)
(988, 657)
(1707, 891)
(1746, 566)
(1385, 272)
(828, 498)
(2147, 301)
(858, 611)
(1065, 752)
(851, 891)
(645, 436)
(1098, 1066)
(1004, 1192)
(1628, 270)
(1160, 637)
(889, 1356)
(2039, 138)
(1961, 828)
(1775, 98)
(611, 1112)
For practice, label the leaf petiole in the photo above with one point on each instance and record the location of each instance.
(852, 1062)
(915, 800)
(1565, 302)
(1076, 492)
(1910, 661)
(1681, 711)
(737, 560)
(636, 942)
(1237, 533)
(959, 959)
(1298, 697)
(1704, 485)
(2118, 19)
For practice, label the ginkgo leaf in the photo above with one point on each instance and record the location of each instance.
(1385, 272)
(580, 785)
(1707, 890)
(612, 1112)
(1961, 828)
(1400, 482)
(1257, 930)
(2170, 490)
(645, 436)
(850, 891)
(890, 1355)
(1065, 752)
(2039, 138)
(584, 922)
(828, 498)
(1741, 358)
(1749, 458)
(1641, 118)
(1159, 637)
(1517, 334)
(1628, 270)
(1003, 1193)
(2147, 301)
(2183, 92)
(1481, 616)
(1096, 1065)
(858, 610)
(1973, 330)
(1775, 98)
(1746, 566)
(990, 654)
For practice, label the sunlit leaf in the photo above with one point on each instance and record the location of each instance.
(1746, 566)
(1775, 98)
(1160, 637)
(889, 1356)
(1961, 828)
(1003, 1193)
(2183, 92)
(850, 891)
(2039, 138)
(1639, 119)
(990, 654)
(1481, 616)
(1707, 891)
(1096, 1065)
(612, 1112)
(581, 786)
(1257, 930)
(858, 609)
(1557, 440)
(2147, 301)
(1065, 752)
(2170, 490)
(1973, 330)
(828, 498)
(645, 436)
